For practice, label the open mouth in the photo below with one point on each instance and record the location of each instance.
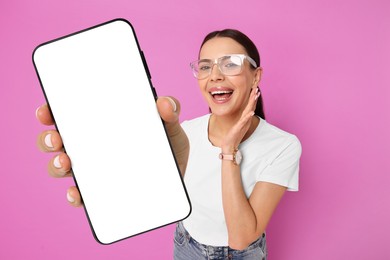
(221, 95)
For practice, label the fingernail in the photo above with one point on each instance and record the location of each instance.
(257, 96)
(57, 162)
(48, 142)
(36, 112)
(69, 198)
(173, 103)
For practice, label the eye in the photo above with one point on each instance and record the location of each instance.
(230, 62)
(204, 66)
(231, 65)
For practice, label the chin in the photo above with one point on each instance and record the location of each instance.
(221, 111)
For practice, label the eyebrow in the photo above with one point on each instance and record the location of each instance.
(223, 56)
(205, 60)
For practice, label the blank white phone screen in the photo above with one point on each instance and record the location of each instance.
(103, 104)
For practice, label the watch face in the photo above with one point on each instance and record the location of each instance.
(238, 157)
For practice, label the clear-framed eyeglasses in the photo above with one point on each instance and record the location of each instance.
(228, 65)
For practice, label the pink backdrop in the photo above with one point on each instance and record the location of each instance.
(326, 79)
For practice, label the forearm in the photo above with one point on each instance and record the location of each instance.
(239, 215)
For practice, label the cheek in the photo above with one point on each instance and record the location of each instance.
(243, 84)
(203, 87)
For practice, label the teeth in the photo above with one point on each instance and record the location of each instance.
(221, 92)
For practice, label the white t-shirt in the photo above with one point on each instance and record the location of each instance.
(269, 155)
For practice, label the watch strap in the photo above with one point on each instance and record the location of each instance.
(232, 157)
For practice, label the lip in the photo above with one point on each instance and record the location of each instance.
(221, 95)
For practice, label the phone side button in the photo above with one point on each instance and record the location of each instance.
(145, 65)
(154, 92)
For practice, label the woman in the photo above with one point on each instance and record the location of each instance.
(238, 167)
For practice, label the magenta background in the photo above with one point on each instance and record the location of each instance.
(326, 79)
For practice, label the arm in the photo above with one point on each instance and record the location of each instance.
(246, 219)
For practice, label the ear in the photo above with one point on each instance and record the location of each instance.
(257, 75)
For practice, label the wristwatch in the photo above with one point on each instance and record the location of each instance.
(236, 157)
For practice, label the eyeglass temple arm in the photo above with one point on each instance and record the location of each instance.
(251, 61)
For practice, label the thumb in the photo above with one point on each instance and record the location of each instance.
(169, 109)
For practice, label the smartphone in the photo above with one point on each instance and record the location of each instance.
(99, 91)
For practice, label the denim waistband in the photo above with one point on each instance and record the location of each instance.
(217, 252)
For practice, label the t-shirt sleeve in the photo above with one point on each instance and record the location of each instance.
(283, 167)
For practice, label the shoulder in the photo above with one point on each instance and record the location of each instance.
(271, 130)
(279, 154)
(275, 141)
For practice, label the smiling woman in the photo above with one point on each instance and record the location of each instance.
(233, 199)
(236, 166)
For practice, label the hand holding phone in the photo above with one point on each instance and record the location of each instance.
(99, 92)
(59, 165)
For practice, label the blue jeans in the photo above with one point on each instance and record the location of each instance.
(187, 248)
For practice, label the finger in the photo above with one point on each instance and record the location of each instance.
(257, 95)
(245, 121)
(251, 105)
(73, 197)
(59, 166)
(49, 141)
(169, 109)
(43, 115)
(254, 97)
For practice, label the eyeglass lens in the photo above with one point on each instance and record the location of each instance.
(228, 65)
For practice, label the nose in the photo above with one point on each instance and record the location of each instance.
(216, 74)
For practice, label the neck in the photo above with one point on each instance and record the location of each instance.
(222, 124)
